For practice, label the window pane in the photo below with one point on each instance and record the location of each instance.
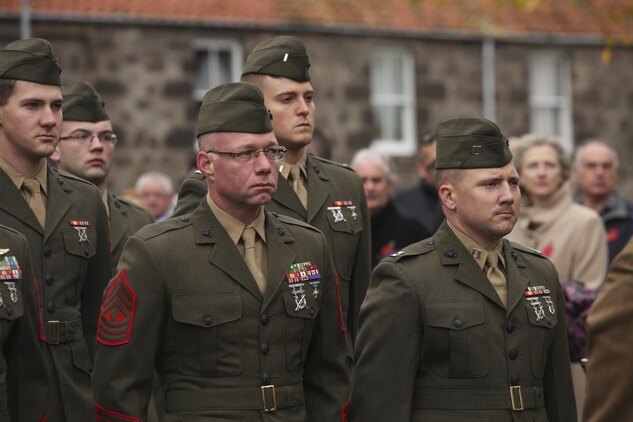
(388, 121)
(546, 121)
(202, 73)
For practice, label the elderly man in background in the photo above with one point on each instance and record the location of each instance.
(596, 165)
(155, 192)
(390, 230)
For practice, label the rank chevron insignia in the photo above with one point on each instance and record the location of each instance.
(117, 313)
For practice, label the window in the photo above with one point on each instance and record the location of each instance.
(550, 96)
(218, 61)
(393, 102)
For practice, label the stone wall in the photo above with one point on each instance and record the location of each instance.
(146, 75)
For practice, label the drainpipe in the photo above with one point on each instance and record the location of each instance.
(25, 20)
(488, 78)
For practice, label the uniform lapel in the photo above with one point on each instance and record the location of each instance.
(14, 204)
(58, 204)
(317, 189)
(118, 223)
(287, 198)
(517, 282)
(453, 252)
(280, 257)
(224, 254)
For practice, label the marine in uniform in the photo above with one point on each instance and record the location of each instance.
(23, 379)
(322, 193)
(62, 217)
(235, 330)
(86, 150)
(465, 325)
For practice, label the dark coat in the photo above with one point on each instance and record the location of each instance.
(436, 344)
(422, 203)
(348, 238)
(23, 378)
(185, 303)
(391, 231)
(73, 271)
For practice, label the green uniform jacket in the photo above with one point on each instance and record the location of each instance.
(184, 303)
(71, 260)
(126, 218)
(435, 343)
(345, 224)
(23, 378)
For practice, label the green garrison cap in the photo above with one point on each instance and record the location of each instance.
(281, 56)
(234, 107)
(30, 60)
(470, 143)
(82, 103)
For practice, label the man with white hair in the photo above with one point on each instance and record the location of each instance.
(155, 190)
(390, 230)
(596, 165)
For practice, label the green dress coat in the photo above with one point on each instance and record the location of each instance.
(126, 218)
(23, 377)
(185, 304)
(336, 206)
(71, 260)
(435, 343)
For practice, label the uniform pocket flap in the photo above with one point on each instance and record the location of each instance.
(207, 310)
(454, 316)
(81, 242)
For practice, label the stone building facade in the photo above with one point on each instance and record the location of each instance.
(147, 75)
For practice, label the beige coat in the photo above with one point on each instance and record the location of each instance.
(609, 381)
(570, 235)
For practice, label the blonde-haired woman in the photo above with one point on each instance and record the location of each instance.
(570, 235)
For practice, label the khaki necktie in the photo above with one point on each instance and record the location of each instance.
(34, 199)
(496, 277)
(248, 239)
(294, 177)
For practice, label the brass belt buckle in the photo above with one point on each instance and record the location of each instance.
(269, 390)
(52, 335)
(517, 389)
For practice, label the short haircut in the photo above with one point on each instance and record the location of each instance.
(384, 161)
(531, 140)
(595, 141)
(444, 176)
(6, 89)
(155, 176)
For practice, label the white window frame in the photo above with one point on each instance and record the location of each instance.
(215, 45)
(406, 99)
(556, 66)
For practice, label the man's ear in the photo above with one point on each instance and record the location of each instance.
(205, 165)
(448, 196)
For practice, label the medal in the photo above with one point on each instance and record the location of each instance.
(337, 213)
(353, 212)
(81, 226)
(550, 305)
(13, 291)
(538, 307)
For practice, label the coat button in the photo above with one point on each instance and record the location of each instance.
(457, 323)
(49, 279)
(264, 319)
(47, 250)
(510, 327)
(207, 233)
(9, 311)
(50, 307)
(513, 354)
(265, 348)
(266, 379)
(311, 311)
(430, 242)
(207, 320)
(515, 380)
(184, 218)
(280, 231)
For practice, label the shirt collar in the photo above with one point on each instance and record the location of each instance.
(284, 168)
(478, 253)
(18, 179)
(235, 227)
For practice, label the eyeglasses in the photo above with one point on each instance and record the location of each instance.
(248, 156)
(83, 136)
